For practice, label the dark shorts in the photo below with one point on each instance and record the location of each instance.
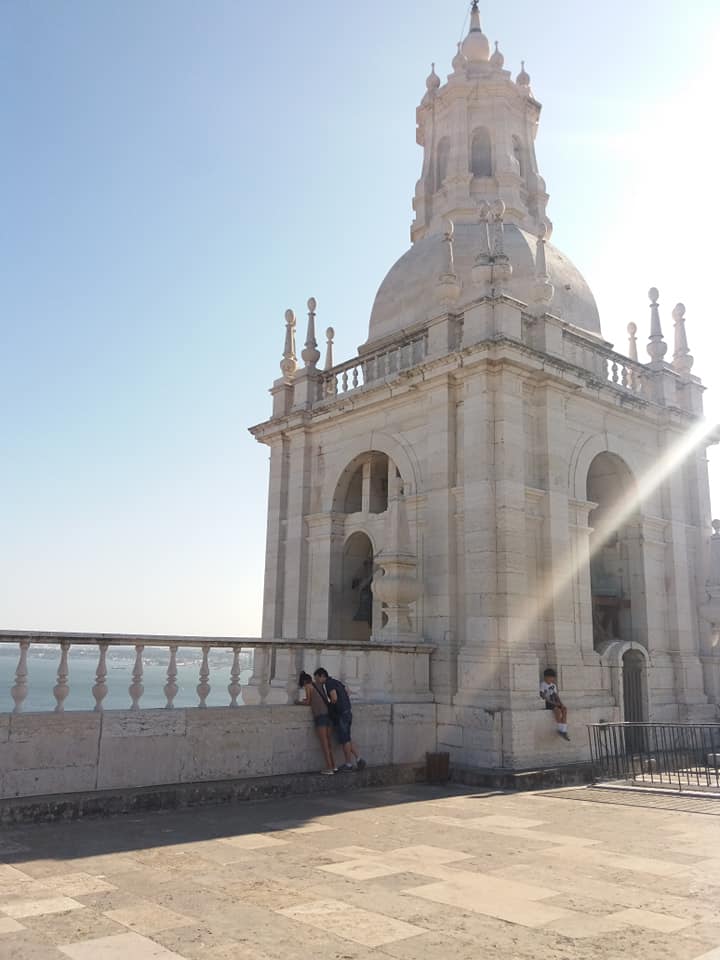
(343, 723)
(323, 720)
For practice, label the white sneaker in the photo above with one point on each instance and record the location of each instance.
(328, 773)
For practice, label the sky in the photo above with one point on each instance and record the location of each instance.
(175, 174)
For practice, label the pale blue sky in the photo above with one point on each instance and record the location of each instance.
(175, 173)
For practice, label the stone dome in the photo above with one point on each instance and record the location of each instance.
(407, 296)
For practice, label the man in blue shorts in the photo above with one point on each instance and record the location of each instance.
(338, 700)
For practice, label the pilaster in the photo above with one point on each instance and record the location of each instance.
(296, 552)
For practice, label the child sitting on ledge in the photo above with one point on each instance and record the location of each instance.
(549, 693)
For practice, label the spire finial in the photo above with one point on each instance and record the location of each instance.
(459, 61)
(311, 354)
(433, 81)
(682, 360)
(497, 60)
(657, 348)
(523, 78)
(329, 336)
(476, 46)
(288, 364)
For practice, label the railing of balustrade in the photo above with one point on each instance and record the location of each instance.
(166, 666)
(606, 365)
(181, 671)
(361, 371)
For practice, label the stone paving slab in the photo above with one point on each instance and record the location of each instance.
(407, 874)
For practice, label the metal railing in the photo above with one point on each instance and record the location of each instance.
(675, 755)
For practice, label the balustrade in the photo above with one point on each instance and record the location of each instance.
(362, 371)
(373, 672)
(606, 365)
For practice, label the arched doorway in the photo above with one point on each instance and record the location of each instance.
(353, 618)
(634, 698)
(616, 565)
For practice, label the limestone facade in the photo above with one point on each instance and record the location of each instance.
(489, 475)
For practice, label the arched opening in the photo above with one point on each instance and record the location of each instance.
(616, 567)
(443, 162)
(481, 154)
(634, 698)
(364, 485)
(519, 154)
(353, 616)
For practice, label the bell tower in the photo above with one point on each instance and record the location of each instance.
(478, 136)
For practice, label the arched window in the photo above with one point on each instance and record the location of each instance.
(481, 154)
(443, 161)
(519, 155)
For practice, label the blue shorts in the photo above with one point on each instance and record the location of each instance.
(343, 723)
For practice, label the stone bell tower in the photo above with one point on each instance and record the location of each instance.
(489, 475)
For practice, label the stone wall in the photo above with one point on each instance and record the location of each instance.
(51, 753)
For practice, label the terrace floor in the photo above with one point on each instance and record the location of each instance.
(404, 873)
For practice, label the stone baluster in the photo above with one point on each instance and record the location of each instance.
(344, 381)
(100, 689)
(62, 688)
(136, 688)
(355, 375)
(171, 688)
(258, 688)
(19, 691)
(203, 688)
(234, 686)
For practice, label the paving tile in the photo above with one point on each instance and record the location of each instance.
(38, 908)
(79, 884)
(252, 841)
(492, 896)
(120, 947)
(648, 920)
(297, 826)
(351, 923)
(362, 869)
(148, 918)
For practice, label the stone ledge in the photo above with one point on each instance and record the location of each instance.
(574, 774)
(103, 803)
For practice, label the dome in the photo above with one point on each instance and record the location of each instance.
(407, 295)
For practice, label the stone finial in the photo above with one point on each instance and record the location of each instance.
(523, 78)
(448, 285)
(543, 290)
(682, 360)
(497, 60)
(329, 336)
(657, 348)
(483, 256)
(288, 364)
(311, 354)
(632, 341)
(498, 217)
